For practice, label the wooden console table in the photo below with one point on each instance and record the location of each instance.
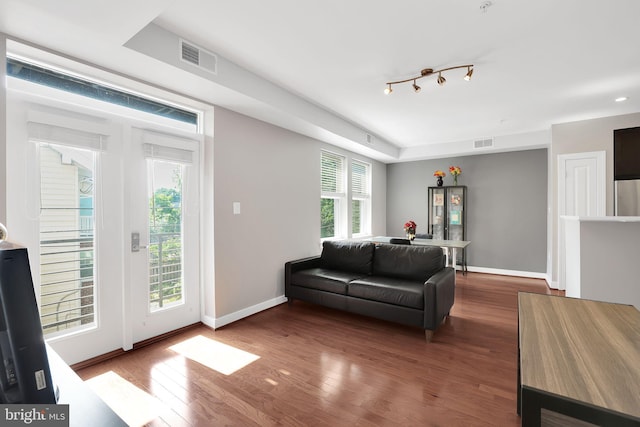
(578, 359)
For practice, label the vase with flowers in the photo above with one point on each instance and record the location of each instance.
(440, 174)
(455, 172)
(410, 229)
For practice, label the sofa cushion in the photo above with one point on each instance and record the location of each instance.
(392, 291)
(354, 257)
(324, 279)
(407, 262)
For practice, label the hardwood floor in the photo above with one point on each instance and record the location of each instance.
(309, 365)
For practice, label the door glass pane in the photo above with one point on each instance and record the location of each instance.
(455, 212)
(67, 285)
(165, 234)
(436, 213)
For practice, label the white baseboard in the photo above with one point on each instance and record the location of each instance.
(209, 321)
(241, 314)
(500, 272)
(553, 285)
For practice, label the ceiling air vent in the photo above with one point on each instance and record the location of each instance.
(483, 143)
(197, 56)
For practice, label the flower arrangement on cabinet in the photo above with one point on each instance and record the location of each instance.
(455, 171)
(410, 229)
(440, 174)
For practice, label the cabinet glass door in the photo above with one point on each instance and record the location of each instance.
(437, 213)
(455, 211)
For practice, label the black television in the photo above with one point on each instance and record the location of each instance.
(25, 376)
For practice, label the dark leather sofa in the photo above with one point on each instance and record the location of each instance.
(400, 283)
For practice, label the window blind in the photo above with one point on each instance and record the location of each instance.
(161, 146)
(332, 174)
(360, 179)
(161, 152)
(58, 135)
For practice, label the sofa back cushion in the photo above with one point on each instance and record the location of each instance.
(407, 262)
(354, 257)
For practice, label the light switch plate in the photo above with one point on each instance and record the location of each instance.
(236, 208)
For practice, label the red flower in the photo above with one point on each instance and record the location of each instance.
(410, 225)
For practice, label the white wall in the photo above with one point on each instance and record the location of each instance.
(602, 259)
(275, 176)
(580, 137)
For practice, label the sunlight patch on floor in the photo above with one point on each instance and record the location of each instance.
(135, 406)
(215, 355)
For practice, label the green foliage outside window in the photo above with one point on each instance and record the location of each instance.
(327, 218)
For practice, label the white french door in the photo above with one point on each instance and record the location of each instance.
(81, 183)
(164, 217)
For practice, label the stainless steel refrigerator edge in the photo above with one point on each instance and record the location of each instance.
(627, 197)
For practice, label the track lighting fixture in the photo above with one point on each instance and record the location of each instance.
(428, 72)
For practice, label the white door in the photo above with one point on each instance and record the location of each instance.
(63, 202)
(164, 218)
(581, 192)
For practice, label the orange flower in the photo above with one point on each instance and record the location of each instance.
(439, 173)
(455, 170)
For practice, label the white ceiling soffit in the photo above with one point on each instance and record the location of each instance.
(280, 106)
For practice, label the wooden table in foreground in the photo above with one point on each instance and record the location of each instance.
(577, 360)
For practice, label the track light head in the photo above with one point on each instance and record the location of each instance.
(388, 90)
(467, 77)
(416, 87)
(441, 80)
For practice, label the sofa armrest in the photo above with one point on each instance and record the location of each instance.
(439, 294)
(291, 267)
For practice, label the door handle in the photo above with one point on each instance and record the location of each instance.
(135, 242)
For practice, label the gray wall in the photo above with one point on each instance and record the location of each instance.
(506, 209)
(275, 175)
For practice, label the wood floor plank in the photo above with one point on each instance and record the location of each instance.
(322, 367)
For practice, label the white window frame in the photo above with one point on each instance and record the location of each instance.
(361, 191)
(339, 194)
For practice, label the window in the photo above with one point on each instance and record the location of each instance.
(166, 167)
(67, 275)
(333, 196)
(48, 77)
(360, 198)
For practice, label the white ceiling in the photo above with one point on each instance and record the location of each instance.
(536, 63)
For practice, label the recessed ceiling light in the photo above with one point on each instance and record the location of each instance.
(621, 99)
